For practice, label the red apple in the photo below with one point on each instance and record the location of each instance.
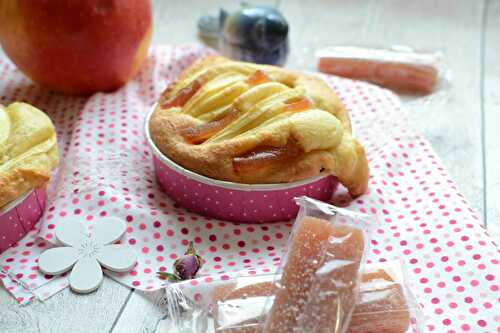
(77, 46)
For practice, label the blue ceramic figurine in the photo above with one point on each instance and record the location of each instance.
(253, 33)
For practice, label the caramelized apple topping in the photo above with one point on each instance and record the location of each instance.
(298, 106)
(265, 156)
(200, 133)
(182, 96)
(258, 77)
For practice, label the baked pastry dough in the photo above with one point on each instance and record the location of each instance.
(249, 123)
(28, 150)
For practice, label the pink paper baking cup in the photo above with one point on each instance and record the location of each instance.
(249, 203)
(20, 216)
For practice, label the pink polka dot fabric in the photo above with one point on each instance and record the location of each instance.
(453, 264)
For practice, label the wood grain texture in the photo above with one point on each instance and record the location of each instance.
(65, 311)
(491, 111)
(142, 313)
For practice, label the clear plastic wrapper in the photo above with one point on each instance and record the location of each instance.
(321, 286)
(241, 304)
(319, 279)
(401, 69)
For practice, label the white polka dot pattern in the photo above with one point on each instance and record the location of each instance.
(18, 220)
(238, 205)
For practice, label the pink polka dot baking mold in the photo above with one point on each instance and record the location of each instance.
(20, 216)
(250, 203)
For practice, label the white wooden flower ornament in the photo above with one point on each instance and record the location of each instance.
(84, 254)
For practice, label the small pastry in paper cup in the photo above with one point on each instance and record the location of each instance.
(238, 141)
(251, 203)
(28, 156)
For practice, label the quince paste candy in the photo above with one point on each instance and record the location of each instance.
(318, 288)
(382, 306)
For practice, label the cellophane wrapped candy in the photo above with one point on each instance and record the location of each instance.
(322, 285)
(401, 69)
(320, 273)
(241, 303)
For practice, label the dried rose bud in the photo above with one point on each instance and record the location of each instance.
(186, 267)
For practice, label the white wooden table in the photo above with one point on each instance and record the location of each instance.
(464, 130)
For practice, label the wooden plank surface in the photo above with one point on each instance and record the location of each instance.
(142, 313)
(491, 99)
(65, 311)
(453, 127)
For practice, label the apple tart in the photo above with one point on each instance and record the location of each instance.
(28, 150)
(257, 124)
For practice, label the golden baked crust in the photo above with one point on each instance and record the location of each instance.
(28, 150)
(251, 123)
